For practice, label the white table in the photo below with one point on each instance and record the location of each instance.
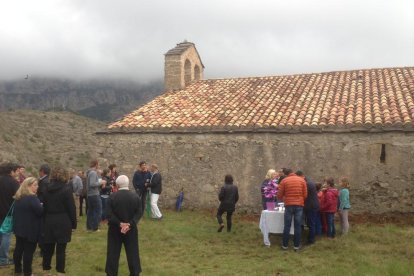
(272, 222)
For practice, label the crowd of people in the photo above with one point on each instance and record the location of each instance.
(44, 212)
(44, 209)
(305, 201)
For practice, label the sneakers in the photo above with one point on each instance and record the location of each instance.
(220, 228)
(296, 248)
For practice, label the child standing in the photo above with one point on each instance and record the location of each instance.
(329, 206)
(344, 205)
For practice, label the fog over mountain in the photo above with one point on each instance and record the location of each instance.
(105, 100)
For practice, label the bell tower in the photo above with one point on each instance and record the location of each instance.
(182, 66)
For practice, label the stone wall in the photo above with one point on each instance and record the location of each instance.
(198, 163)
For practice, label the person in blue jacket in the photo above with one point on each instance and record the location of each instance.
(140, 181)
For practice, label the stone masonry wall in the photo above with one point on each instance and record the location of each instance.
(198, 163)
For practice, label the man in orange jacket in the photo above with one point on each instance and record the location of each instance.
(293, 192)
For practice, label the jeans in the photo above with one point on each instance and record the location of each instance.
(4, 247)
(311, 218)
(93, 217)
(331, 224)
(318, 227)
(295, 212)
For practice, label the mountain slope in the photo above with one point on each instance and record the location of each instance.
(32, 138)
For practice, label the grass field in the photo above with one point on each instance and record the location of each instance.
(187, 243)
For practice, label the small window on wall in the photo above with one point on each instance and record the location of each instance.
(382, 156)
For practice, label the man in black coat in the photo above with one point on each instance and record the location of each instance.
(311, 207)
(43, 183)
(156, 188)
(8, 187)
(124, 212)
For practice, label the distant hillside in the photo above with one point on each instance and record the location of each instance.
(105, 100)
(36, 137)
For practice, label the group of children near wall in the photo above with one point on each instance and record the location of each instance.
(333, 201)
(330, 199)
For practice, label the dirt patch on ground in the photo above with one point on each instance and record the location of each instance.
(400, 219)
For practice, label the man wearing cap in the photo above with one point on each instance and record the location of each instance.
(124, 212)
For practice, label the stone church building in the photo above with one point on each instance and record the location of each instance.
(355, 123)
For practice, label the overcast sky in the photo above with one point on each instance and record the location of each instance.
(128, 38)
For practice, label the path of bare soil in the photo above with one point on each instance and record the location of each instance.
(400, 219)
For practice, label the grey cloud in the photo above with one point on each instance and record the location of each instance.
(127, 39)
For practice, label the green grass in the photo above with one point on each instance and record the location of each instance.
(187, 243)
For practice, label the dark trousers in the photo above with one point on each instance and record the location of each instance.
(81, 199)
(143, 197)
(318, 229)
(104, 200)
(330, 221)
(220, 212)
(49, 250)
(324, 222)
(24, 249)
(311, 218)
(94, 212)
(130, 242)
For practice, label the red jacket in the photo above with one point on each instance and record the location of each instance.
(329, 202)
(293, 190)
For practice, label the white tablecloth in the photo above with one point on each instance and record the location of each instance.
(272, 222)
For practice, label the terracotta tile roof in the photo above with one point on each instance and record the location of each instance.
(359, 100)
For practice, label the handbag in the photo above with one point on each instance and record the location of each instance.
(7, 225)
